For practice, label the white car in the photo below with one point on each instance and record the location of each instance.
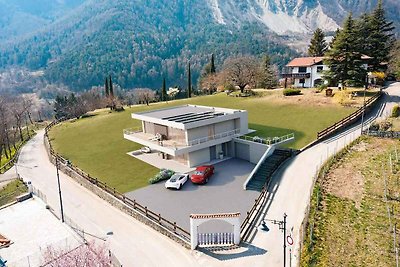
(177, 181)
(145, 149)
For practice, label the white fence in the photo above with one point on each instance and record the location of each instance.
(215, 239)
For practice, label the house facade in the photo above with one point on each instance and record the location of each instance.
(191, 135)
(305, 72)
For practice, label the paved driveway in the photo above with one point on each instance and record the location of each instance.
(223, 193)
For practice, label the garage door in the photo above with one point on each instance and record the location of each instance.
(242, 151)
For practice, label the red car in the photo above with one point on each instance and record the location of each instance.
(202, 174)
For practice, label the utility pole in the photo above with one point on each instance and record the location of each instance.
(59, 191)
(284, 239)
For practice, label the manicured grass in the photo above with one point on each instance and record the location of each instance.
(351, 229)
(11, 191)
(96, 144)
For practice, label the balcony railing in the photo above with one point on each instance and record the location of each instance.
(214, 137)
(133, 130)
(296, 75)
(268, 141)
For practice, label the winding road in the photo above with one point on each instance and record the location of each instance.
(135, 244)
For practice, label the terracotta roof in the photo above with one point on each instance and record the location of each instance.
(305, 61)
(214, 216)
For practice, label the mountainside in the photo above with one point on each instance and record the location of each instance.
(79, 42)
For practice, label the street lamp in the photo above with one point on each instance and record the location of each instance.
(59, 191)
(282, 226)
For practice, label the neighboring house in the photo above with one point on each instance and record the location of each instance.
(305, 72)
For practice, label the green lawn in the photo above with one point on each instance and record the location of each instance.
(96, 144)
(350, 224)
(11, 191)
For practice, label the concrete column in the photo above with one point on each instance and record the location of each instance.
(236, 231)
(193, 234)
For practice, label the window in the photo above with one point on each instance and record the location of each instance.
(302, 69)
(303, 81)
(320, 68)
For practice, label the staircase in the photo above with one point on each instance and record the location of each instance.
(267, 168)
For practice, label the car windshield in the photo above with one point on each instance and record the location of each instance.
(174, 178)
(198, 173)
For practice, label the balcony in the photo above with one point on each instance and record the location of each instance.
(296, 75)
(177, 147)
(214, 137)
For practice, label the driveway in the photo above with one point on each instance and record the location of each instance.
(223, 193)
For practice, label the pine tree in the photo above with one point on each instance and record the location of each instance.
(268, 77)
(111, 88)
(380, 41)
(107, 89)
(212, 64)
(189, 86)
(318, 45)
(164, 91)
(344, 58)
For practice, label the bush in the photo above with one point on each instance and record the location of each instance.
(396, 111)
(289, 92)
(162, 175)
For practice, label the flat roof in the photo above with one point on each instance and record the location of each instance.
(187, 114)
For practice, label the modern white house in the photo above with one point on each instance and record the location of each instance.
(192, 135)
(306, 72)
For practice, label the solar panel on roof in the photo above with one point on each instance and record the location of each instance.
(175, 116)
(192, 116)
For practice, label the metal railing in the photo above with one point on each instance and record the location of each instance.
(349, 119)
(133, 130)
(268, 141)
(131, 204)
(214, 137)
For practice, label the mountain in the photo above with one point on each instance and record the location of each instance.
(79, 42)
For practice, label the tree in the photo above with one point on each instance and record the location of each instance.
(164, 90)
(394, 63)
(107, 88)
(111, 88)
(212, 64)
(90, 254)
(318, 45)
(241, 71)
(268, 76)
(379, 41)
(144, 95)
(209, 83)
(344, 58)
(189, 86)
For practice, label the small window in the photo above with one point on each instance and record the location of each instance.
(302, 81)
(302, 69)
(320, 68)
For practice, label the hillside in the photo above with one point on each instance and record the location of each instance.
(78, 42)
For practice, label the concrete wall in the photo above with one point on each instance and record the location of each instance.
(248, 150)
(200, 132)
(199, 157)
(225, 126)
(242, 151)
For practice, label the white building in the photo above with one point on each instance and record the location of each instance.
(193, 135)
(306, 72)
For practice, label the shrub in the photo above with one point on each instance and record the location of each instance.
(289, 92)
(396, 111)
(162, 175)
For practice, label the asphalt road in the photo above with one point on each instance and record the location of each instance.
(223, 193)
